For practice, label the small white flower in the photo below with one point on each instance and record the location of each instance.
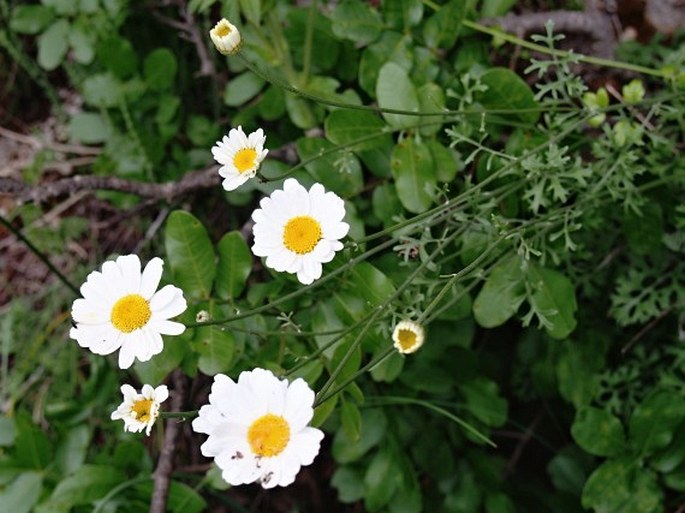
(408, 336)
(258, 429)
(298, 230)
(226, 37)
(240, 156)
(139, 411)
(121, 310)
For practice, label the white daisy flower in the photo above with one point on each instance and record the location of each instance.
(240, 156)
(408, 336)
(139, 411)
(226, 37)
(121, 310)
(258, 429)
(298, 230)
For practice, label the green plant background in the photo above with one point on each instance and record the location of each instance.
(537, 232)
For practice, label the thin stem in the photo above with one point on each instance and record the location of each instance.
(40, 255)
(597, 61)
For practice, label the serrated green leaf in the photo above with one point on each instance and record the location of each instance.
(394, 90)
(235, 265)
(502, 294)
(190, 254)
(598, 432)
(414, 172)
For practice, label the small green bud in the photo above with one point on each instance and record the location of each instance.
(633, 92)
(594, 103)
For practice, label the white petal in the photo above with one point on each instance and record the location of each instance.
(149, 281)
(166, 327)
(127, 354)
(233, 181)
(130, 271)
(168, 302)
(161, 393)
(299, 400)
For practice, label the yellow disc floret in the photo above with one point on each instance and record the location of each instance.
(268, 435)
(407, 339)
(245, 159)
(142, 409)
(222, 28)
(130, 313)
(302, 234)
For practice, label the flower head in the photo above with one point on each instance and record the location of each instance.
(408, 336)
(240, 156)
(258, 429)
(122, 309)
(140, 410)
(226, 37)
(298, 230)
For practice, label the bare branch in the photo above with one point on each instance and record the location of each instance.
(165, 465)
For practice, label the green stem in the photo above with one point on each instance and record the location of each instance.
(393, 400)
(597, 61)
(40, 255)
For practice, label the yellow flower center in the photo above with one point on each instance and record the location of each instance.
(142, 409)
(268, 435)
(222, 29)
(301, 234)
(245, 159)
(407, 339)
(130, 313)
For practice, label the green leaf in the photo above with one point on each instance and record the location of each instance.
(252, 9)
(157, 368)
(414, 172)
(349, 482)
(7, 431)
(553, 299)
(235, 265)
(33, 449)
(442, 29)
(446, 162)
(395, 90)
(620, 486)
(374, 429)
(371, 284)
(300, 111)
(82, 44)
(381, 480)
(159, 69)
(242, 88)
(184, 499)
(655, 420)
(88, 484)
(201, 131)
(356, 21)
(21, 495)
(598, 432)
(88, 128)
(216, 347)
(272, 104)
(338, 171)
(30, 19)
(502, 294)
(567, 470)
(645, 231)
(102, 90)
(118, 56)
(506, 90)
(71, 452)
(403, 14)
(190, 254)
(484, 401)
(492, 8)
(351, 419)
(431, 99)
(391, 47)
(346, 126)
(53, 45)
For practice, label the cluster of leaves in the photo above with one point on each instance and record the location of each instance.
(530, 229)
